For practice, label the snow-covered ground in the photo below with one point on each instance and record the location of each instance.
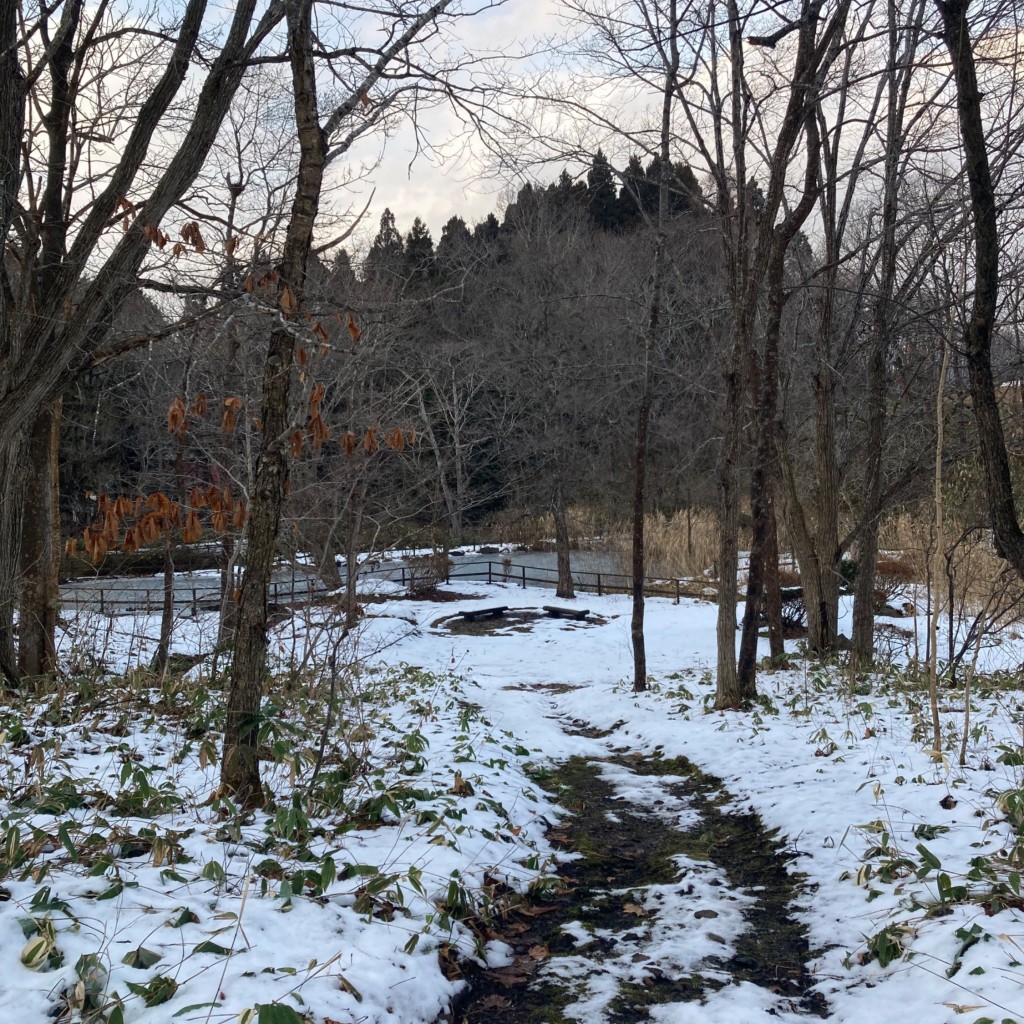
(132, 883)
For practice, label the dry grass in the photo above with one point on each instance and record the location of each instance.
(683, 544)
(980, 576)
(526, 529)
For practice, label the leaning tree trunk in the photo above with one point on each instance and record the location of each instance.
(565, 587)
(240, 774)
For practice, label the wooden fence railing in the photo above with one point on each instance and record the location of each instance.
(114, 600)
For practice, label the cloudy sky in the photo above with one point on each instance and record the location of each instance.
(414, 184)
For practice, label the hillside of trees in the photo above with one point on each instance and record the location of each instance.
(783, 299)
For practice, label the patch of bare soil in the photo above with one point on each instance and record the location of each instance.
(515, 620)
(620, 852)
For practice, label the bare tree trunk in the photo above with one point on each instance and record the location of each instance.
(826, 539)
(653, 328)
(1008, 537)
(764, 398)
(240, 775)
(772, 587)
(356, 502)
(936, 557)
(163, 649)
(863, 651)
(727, 690)
(12, 116)
(565, 587)
(12, 480)
(746, 668)
(898, 80)
(40, 555)
(228, 603)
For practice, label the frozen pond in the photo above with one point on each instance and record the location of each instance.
(200, 590)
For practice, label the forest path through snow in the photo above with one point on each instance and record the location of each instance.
(672, 893)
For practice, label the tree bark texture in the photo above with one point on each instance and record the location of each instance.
(240, 776)
(40, 554)
(977, 342)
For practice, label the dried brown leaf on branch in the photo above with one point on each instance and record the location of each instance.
(190, 233)
(318, 431)
(349, 442)
(230, 418)
(177, 422)
(286, 299)
(193, 528)
(370, 444)
(353, 328)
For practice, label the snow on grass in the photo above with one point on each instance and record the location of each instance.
(909, 860)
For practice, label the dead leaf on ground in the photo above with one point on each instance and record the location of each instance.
(539, 952)
(493, 1002)
(516, 974)
(633, 908)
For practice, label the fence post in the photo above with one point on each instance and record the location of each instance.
(489, 580)
(195, 603)
(403, 575)
(524, 577)
(101, 601)
(599, 585)
(677, 591)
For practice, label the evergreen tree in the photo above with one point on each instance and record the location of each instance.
(638, 197)
(689, 188)
(567, 193)
(385, 259)
(341, 273)
(419, 252)
(487, 230)
(520, 210)
(455, 241)
(602, 196)
(684, 190)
